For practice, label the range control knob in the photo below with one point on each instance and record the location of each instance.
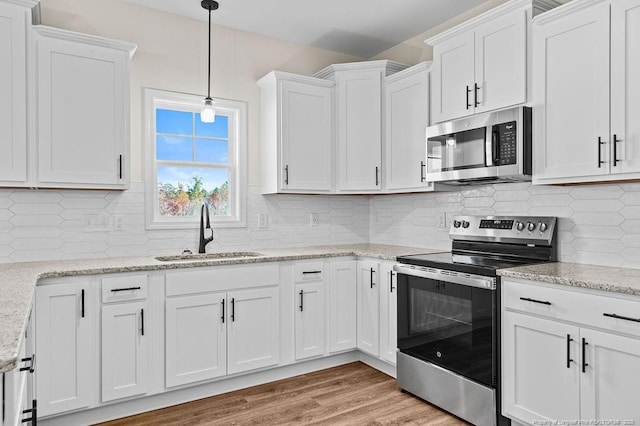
(456, 224)
(465, 224)
(519, 226)
(542, 226)
(531, 226)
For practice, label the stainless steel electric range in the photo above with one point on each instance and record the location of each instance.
(448, 312)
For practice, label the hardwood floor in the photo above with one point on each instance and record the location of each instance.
(352, 394)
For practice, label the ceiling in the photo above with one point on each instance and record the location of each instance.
(360, 28)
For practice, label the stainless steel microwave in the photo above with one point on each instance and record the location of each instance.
(491, 147)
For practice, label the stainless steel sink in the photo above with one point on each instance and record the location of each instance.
(208, 256)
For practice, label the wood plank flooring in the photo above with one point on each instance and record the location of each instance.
(352, 394)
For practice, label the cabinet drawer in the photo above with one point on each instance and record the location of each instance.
(308, 271)
(118, 289)
(205, 280)
(575, 306)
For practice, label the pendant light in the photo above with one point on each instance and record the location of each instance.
(208, 113)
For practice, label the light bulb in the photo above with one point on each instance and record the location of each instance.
(208, 113)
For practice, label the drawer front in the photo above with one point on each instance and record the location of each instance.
(594, 310)
(223, 278)
(122, 288)
(308, 272)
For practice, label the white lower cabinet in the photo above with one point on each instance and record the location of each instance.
(310, 310)
(388, 312)
(124, 351)
(66, 316)
(368, 307)
(342, 305)
(196, 338)
(557, 367)
(17, 386)
(253, 336)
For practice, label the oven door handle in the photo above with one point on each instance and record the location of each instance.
(469, 280)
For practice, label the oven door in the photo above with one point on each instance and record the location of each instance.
(448, 319)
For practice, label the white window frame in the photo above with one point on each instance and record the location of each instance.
(237, 113)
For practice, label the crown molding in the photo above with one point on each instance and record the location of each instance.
(564, 10)
(388, 67)
(282, 75)
(61, 34)
(415, 69)
(490, 15)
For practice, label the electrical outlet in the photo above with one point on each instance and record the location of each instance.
(263, 220)
(96, 223)
(314, 220)
(118, 223)
(442, 220)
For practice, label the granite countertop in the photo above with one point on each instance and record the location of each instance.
(607, 278)
(18, 280)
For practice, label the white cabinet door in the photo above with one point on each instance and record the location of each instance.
(196, 337)
(368, 307)
(65, 340)
(625, 85)
(540, 374)
(124, 351)
(407, 116)
(310, 320)
(571, 95)
(13, 92)
(388, 313)
(453, 78)
(359, 116)
(342, 305)
(501, 62)
(253, 329)
(610, 381)
(82, 114)
(306, 117)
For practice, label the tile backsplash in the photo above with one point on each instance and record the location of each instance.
(598, 224)
(51, 224)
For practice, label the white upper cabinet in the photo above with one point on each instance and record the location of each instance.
(407, 116)
(481, 65)
(359, 123)
(15, 18)
(585, 92)
(297, 133)
(81, 117)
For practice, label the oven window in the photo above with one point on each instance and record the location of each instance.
(458, 151)
(448, 324)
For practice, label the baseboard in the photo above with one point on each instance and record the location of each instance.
(378, 364)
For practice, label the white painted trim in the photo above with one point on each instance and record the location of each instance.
(26, 3)
(564, 10)
(192, 393)
(286, 76)
(489, 16)
(189, 102)
(378, 364)
(418, 68)
(86, 39)
(389, 67)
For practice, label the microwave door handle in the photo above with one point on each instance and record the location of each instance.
(489, 147)
(495, 147)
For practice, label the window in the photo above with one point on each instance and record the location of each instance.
(190, 162)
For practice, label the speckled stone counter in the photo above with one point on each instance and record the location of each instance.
(18, 280)
(618, 280)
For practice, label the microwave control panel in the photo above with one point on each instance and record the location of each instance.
(507, 138)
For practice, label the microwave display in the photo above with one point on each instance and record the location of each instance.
(504, 143)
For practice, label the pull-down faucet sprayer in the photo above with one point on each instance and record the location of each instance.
(204, 241)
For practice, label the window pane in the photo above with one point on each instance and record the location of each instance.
(182, 190)
(212, 151)
(174, 122)
(217, 129)
(174, 148)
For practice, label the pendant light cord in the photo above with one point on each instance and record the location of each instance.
(209, 68)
